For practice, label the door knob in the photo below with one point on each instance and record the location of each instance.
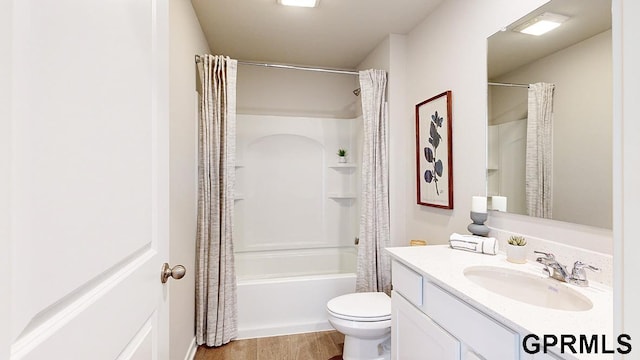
(177, 272)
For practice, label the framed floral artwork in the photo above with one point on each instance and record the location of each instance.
(434, 163)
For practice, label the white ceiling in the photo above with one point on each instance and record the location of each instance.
(336, 34)
(341, 33)
(508, 50)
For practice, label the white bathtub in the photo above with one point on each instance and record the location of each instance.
(286, 292)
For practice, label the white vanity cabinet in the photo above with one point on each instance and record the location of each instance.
(414, 336)
(430, 323)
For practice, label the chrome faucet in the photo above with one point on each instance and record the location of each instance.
(578, 276)
(552, 266)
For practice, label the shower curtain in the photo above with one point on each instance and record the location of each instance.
(539, 154)
(216, 300)
(373, 269)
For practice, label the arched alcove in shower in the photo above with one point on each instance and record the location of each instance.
(283, 185)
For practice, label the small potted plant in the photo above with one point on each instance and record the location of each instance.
(517, 249)
(342, 155)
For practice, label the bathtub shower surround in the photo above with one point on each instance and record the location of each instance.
(291, 192)
(296, 219)
(216, 305)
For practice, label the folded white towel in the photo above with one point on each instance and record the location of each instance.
(485, 245)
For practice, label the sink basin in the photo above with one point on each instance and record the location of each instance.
(528, 288)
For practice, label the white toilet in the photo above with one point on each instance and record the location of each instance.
(365, 320)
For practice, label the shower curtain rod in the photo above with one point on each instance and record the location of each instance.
(508, 84)
(295, 67)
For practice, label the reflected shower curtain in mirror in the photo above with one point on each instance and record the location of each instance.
(216, 300)
(539, 159)
(373, 269)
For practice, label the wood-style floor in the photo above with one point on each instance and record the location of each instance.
(326, 345)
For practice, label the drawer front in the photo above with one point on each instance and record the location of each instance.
(407, 282)
(484, 335)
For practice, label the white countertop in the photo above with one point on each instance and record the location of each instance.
(444, 266)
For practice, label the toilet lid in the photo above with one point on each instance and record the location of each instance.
(369, 306)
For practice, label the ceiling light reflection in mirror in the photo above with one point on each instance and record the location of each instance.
(541, 24)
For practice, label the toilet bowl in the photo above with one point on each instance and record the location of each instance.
(365, 321)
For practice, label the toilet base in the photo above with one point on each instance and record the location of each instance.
(366, 349)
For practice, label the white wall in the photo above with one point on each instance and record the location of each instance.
(390, 55)
(443, 55)
(398, 125)
(186, 40)
(379, 57)
(288, 92)
(448, 52)
(582, 152)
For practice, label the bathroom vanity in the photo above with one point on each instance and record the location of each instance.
(449, 304)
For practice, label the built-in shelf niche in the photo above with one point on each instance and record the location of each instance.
(343, 184)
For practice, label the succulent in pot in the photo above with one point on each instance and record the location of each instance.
(342, 155)
(517, 240)
(517, 249)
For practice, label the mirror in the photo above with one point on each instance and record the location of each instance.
(576, 58)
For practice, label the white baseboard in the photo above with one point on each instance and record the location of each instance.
(283, 330)
(191, 353)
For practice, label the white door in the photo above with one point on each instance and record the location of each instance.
(87, 212)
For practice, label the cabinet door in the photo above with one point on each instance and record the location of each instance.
(414, 336)
(488, 338)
